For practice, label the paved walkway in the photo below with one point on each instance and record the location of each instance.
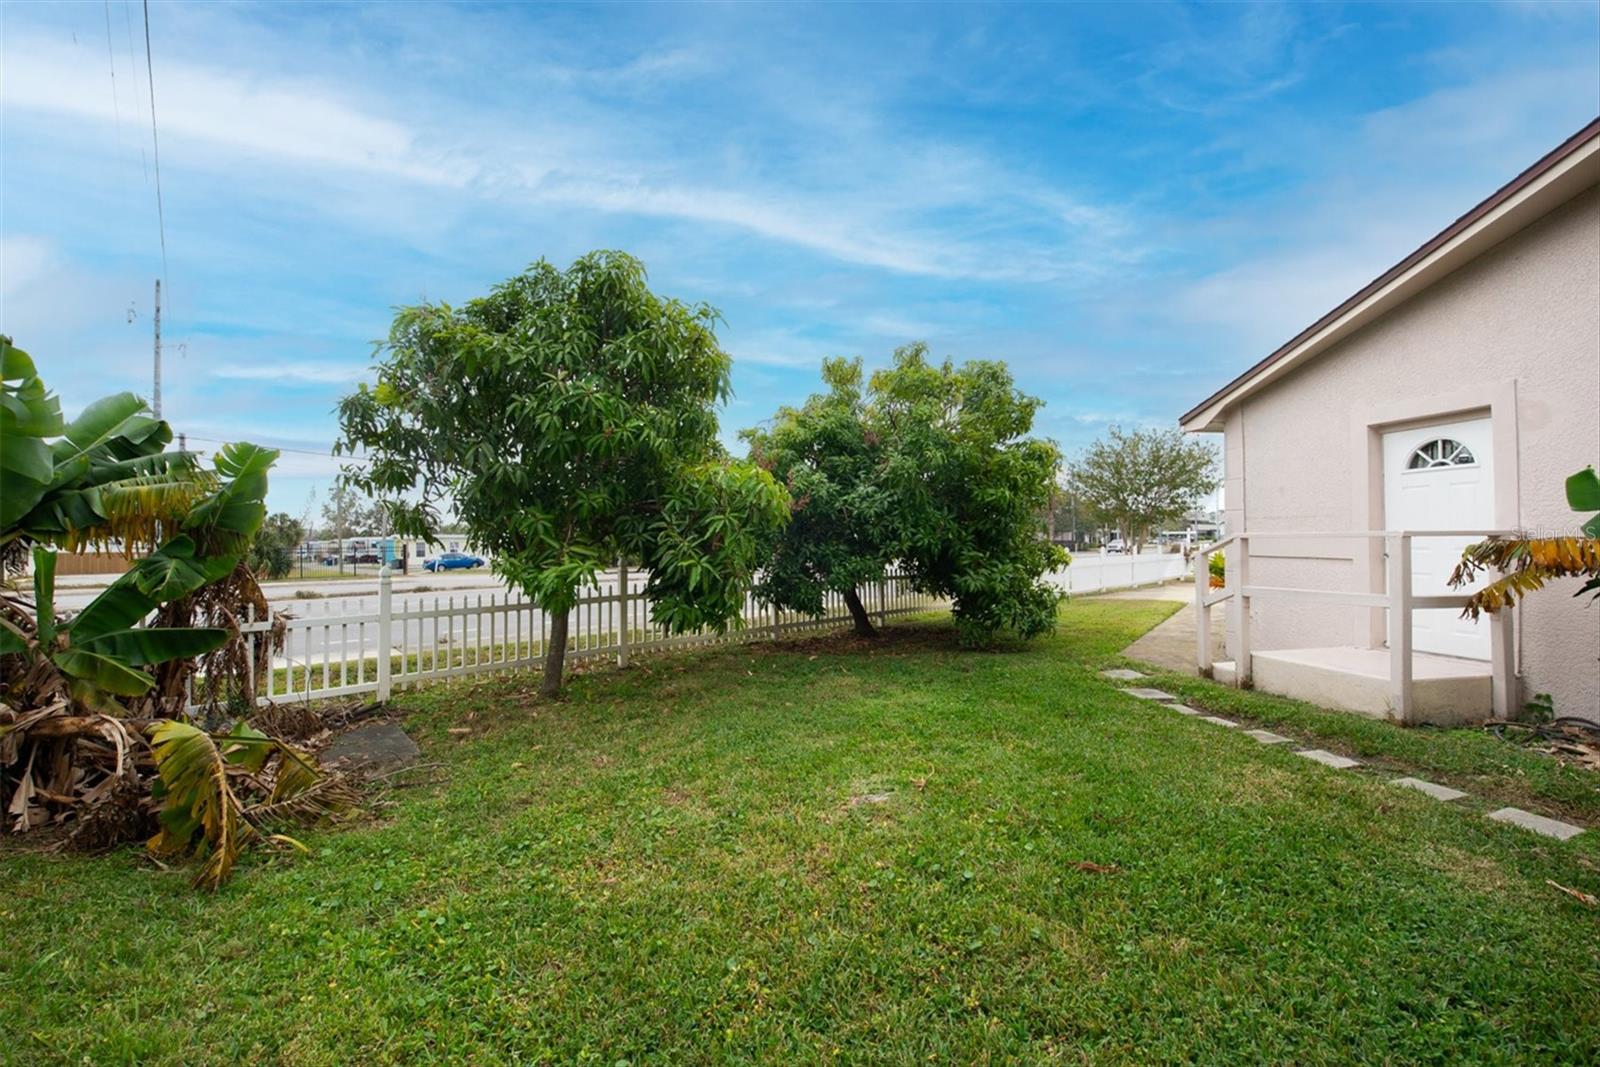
(1171, 645)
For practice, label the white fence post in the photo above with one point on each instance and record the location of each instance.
(1503, 660)
(1238, 573)
(385, 638)
(1399, 548)
(622, 609)
(1202, 627)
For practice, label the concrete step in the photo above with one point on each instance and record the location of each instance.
(1445, 691)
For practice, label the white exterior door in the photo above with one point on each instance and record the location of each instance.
(1440, 477)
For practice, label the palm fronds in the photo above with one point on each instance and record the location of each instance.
(1528, 564)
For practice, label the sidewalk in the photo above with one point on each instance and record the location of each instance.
(1172, 644)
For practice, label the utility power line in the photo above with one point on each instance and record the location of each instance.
(286, 448)
(155, 140)
(133, 65)
(111, 57)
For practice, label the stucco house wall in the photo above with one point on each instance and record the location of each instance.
(1520, 322)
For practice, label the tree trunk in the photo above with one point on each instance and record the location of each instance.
(858, 612)
(555, 656)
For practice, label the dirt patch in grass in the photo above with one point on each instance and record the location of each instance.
(1473, 870)
(1259, 786)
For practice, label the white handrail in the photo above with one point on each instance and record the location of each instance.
(1297, 535)
(1396, 598)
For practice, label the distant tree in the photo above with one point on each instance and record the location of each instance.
(273, 549)
(1067, 517)
(345, 512)
(1138, 481)
(929, 466)
(569, 419)
(838, 537)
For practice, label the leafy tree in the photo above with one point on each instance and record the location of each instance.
(967, 486)
(838, 537)
(106, 478)
(1138, 481)
(346, 513)
(1066, 516)
(569, 419)
(929, 466)
(273, 550)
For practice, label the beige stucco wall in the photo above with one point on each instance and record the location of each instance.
(1525, 317)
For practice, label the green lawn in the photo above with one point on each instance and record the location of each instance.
(824, 852)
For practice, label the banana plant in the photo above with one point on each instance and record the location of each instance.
(105, 478)
(100, 650)
(1529, 563)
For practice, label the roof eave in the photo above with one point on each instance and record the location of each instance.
(1557, 177)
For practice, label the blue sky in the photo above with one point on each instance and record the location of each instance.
(1129, 203)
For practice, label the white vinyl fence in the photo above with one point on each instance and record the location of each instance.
(387, 642)
(1095, 573)
(400, 642)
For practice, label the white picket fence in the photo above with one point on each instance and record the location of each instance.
(402, 642)
(1095, 573)
(387, 642)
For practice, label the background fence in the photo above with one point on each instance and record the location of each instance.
(1098, 573)
(388, 642)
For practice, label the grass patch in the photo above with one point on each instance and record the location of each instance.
(1470, 759)
(832, 851)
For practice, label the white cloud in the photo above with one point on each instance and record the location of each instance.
(293, 122)
(1412, 170)
(23, 259)
(316, 373)
(901, 205)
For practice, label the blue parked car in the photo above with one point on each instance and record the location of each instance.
(453, 561)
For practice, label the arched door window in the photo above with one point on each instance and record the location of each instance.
(1440, 452)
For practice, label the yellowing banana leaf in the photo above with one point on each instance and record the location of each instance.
(196, 799)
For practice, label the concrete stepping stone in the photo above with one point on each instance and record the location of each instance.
(1183, 709)
(1328, 759)
(1218, 720)
(372, 748)
(1149, 694)
(1267, 737)
(1555, 828)
(1123, 674)
(1433, 789)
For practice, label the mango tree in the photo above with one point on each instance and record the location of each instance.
(839, 535)
(930, 466)
(968, 484)
(568, 420)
